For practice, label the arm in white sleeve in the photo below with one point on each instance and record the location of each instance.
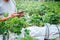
(14, 4)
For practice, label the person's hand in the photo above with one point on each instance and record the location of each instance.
(17, 14)
(13, 15)
(21, 14)
(3, 19)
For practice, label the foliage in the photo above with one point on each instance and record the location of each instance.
(40, 13)
(28, 38)
(3, 28)
(36, 20)
(16, 24)
(49, 11)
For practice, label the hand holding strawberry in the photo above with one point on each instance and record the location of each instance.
(20, 14)
(3, 19)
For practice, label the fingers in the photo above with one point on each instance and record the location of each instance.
(14, 13)
(21, 15)
(12, 16)
(4, 19)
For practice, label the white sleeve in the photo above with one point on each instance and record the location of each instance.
(1, 10)
(14, 4)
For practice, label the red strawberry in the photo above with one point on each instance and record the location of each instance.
(21, 15)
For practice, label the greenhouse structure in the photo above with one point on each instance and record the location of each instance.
(29, 19)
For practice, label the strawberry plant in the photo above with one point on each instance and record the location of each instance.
(54, 19)
(40, 13)
(36, 20)
(3, 28)
(13, 25)
(16, 24)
